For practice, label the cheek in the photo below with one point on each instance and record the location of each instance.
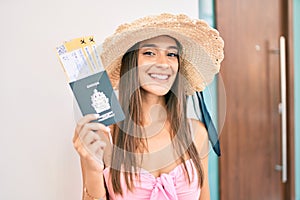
(143, 61)
(174, 64)
(141, 74)
(175, 68)
(139, 61)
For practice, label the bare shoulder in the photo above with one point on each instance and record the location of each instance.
(198, 130)
(200, 136)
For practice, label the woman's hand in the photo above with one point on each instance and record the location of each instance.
(89, 142)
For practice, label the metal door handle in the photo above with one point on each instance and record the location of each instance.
(283, 108)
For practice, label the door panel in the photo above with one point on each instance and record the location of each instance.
(250, 138)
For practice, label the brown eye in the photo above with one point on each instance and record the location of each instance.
(149, 53)
(173, 55)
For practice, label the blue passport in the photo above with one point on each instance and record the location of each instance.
(94, 94)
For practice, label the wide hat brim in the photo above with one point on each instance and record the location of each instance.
(202, 47)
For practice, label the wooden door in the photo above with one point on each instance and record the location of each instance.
(251, 135)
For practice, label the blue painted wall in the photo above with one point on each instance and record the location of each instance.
(297, 94)
(206, 12)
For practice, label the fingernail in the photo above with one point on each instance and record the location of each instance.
(108, 129)
(97, 115)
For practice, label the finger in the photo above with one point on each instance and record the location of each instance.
(86, 119)
(89, 138)
(88, 147)
(75, 136)
(96, 151)
(85, 141)
(93, 151)
(100, 151)
(96, 146)
(90, 127)
(80, 148)
(97, 127)
(107, 133)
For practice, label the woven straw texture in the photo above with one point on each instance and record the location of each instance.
(202, 47)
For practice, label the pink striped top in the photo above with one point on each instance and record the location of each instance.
(170, 186)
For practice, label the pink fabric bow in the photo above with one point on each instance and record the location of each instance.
(164, 188)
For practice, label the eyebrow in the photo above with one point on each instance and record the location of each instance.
(155, 46)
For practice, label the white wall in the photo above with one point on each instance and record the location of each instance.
(36, 103)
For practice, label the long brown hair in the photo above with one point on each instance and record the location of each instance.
(128, 136)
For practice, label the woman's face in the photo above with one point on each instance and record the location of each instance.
(158, 64)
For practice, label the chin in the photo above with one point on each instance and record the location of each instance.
(156, 90)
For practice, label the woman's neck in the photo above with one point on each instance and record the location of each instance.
(154, 108)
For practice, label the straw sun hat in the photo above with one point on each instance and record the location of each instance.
(202, 47)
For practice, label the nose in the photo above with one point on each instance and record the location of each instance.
(162, 60)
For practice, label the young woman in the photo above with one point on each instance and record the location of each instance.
(156, 152)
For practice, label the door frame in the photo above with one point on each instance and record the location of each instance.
(290, 186)
(288, 27)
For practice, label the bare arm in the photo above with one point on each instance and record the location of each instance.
(205, 194)
(202, 144)
(90, 147)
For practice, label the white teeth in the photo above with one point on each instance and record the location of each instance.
(159, 76)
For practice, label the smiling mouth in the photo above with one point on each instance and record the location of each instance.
(159, 76)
